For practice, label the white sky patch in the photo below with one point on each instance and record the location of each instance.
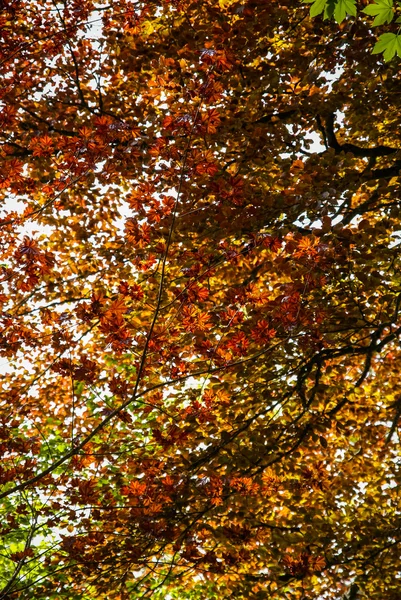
(333, 76)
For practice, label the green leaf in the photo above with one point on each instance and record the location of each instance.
(382, 10)
(389, 44)
(329, 9)
(79, 387)
(317, 7)
(344, 8)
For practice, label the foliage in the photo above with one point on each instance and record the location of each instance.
(200, 302)
(383, 10)
(389, 44)
(338, 9)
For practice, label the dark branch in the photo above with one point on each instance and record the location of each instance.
(385, 173)
(375, 152)
(282, 116)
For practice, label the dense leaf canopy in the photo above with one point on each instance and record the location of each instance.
(200, 302)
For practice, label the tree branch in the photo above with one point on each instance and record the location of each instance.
(375, 152)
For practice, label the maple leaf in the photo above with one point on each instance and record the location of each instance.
(85, 491)
(382, 11)
(210, 120)
(135, 488)
(263, 332)
(116, 308)
(238, 343)
(42, 146)
(195, 292)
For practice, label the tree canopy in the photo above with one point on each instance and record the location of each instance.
(200, 302)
